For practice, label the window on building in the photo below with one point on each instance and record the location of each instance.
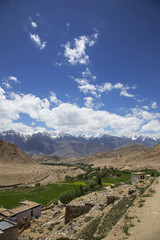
(32, 213)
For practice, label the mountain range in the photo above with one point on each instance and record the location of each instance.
(68, 145)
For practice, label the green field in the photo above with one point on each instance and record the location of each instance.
(44, 194)
(125, 177)
(39, 194)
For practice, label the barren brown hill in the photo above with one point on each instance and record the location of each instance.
(18, 168)
(11, 154)
(132, 157)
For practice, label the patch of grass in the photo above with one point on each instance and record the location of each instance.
(151, 191)
(88, 219)
(40, 194)
(132, 225)
(128, 218)
(140, 205)
(112, 217)
(142, 201)
(126, 229)
(91, 228)
(50, 228)
(102, 207)
(106, 184)
(147, 195)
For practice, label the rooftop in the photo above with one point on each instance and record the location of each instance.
(139, 173)
(5, 224)
(25, 205)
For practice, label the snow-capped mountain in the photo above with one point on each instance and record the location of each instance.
(62, 144)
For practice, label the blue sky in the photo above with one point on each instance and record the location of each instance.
(80, 66)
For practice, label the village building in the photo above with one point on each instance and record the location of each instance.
(8, 230)
(26, 209)
(137, 176)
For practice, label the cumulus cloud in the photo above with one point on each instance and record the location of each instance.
(151, 126)
(89, 102)
(7, 81)
(87, 73)
(76, 53)
(86, 87)
(54, 99)
(67, 117)
(145, 107)
(154, 105)
(36, 39)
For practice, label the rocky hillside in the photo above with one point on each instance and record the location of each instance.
(11, 154)
(67, 145)
(110, 209)
(135, 156)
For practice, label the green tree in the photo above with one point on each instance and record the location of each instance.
(99, 180)
(68, 196)
(81, 190)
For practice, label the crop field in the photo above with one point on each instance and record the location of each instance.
(44, 194)
(39, 194)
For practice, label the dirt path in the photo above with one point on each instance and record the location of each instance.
(148, 225)
(142, 220)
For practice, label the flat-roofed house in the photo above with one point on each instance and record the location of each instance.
(8, 230)
(137, 176)
(26, 209)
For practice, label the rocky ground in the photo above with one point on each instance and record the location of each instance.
(116, 221)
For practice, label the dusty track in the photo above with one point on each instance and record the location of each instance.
(148, 227)
(143, 220)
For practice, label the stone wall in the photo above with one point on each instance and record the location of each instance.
(75, 211)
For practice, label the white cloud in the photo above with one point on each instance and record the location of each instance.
(13, 78)
(105, 87)
(58, 64)
(145, 107)
(7, 81)
(151, 126)
(154, 105)
(34, 24)
(89, 102)
(125, 93)
(87, 73)
(86, 87)
(36, 39)
(54, 99)
(77, 53)
(66, 117)
(67, 95)
(67, 25)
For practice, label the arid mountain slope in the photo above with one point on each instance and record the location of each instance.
(135, 156)
(11, 154)
(66, 145)
(132, 157)
(18, 168)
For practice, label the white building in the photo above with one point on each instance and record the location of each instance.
(26, 209)
(137, 176)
